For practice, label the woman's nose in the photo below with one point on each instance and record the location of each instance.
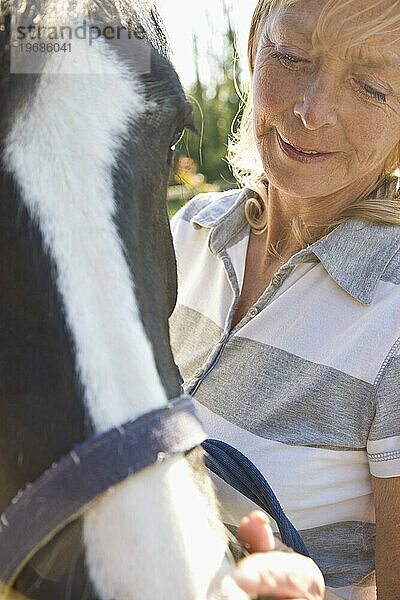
(316, 106)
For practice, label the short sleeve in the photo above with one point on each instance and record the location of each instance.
(383, 444)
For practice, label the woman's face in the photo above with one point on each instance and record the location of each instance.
(341, 103)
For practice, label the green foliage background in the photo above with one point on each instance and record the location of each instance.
(217, 108)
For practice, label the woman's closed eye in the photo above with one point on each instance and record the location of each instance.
(374, 93)
(288, 59)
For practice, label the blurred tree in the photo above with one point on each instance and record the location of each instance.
(216, 105)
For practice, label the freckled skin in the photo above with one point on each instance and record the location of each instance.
(322, 103)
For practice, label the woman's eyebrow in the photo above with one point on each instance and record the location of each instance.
(290, 29)
(290, 26)
(378, 60)
(291, 37)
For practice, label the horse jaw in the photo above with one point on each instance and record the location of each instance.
(173, 551)
(150, 537)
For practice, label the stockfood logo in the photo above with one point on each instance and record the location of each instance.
(78, 48)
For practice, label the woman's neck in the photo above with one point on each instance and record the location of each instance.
(313, 213)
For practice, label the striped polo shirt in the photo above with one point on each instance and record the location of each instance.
(307, 384)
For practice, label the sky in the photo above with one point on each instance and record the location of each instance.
(205, 17)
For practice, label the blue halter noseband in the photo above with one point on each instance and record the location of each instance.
(61, 494)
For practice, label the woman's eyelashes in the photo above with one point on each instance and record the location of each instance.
(373, 93)
(288, 59)
(294, 61)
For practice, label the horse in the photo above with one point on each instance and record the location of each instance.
(88, 281)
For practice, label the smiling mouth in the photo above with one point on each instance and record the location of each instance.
(296, 151)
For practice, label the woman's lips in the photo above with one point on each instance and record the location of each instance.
(300, 154)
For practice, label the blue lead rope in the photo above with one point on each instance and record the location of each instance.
(240, 473)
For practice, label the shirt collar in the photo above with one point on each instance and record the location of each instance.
(355, 254)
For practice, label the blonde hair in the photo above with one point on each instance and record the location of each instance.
(382, 204)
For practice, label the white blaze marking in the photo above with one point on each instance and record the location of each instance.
(62, 149)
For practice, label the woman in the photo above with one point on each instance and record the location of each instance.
(288, 318)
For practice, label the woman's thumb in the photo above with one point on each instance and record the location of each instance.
(255, 533)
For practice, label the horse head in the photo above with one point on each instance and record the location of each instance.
(88, 277)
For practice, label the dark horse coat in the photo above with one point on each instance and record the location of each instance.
(87, 269)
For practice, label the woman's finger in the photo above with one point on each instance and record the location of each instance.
(255, 533)
(281, 575)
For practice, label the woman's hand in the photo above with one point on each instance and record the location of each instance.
(268, 572)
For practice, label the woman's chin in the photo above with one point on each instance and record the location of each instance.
(297, 185)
